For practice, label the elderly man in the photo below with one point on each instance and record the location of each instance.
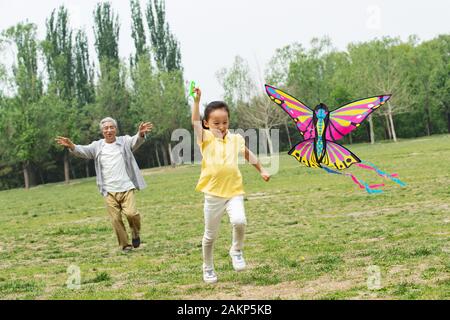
(118, 175)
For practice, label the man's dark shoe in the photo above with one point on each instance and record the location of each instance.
(127, 249)
(136, 242)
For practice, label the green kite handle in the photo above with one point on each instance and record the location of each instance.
(191, 89)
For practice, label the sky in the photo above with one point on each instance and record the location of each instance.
(212, 32)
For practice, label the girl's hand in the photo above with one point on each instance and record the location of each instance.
(198, 95)
(265, 175)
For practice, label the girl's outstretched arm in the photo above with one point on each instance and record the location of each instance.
(250, 157)
(196, 120)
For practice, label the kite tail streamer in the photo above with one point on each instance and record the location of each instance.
(360, 183)
(370, 166)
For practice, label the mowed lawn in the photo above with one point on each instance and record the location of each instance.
(310, 235)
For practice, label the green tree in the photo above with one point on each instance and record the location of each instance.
(84, 72)
(429, 64)
(441, 79)
(277, 73)
(106, 30)
(361, 56)
(277, 70)
(3, 73)
(383, 68)
(159, 97)
(145, 102)
(84, 91)
(164, 44)
(310, 73)
(423, 62)
(24, 122)
(112, 96)
(59, 52)
(171, 110)
(237, 82)
(138, 32)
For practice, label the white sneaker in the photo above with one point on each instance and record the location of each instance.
(209, 276)
(238, 260)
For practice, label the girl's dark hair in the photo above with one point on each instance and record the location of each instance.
(214, 106)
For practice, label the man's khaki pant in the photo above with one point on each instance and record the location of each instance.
(123, 202)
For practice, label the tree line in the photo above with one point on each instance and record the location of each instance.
(71, 93)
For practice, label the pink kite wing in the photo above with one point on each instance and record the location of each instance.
(348, 117)
(297, 110)
(304, 152)
(339, 157)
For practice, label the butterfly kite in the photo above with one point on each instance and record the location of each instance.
(322, 128)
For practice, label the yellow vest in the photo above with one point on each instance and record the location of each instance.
(220, 175)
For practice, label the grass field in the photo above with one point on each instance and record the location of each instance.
(310, 235)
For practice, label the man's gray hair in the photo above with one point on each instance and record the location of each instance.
(107, 119)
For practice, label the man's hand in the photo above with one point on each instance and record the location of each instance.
(145, 127)
(65, 142)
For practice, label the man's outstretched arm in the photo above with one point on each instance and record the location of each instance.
(86, 152)
(139, 138)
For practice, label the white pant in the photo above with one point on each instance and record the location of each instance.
(214, 209)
